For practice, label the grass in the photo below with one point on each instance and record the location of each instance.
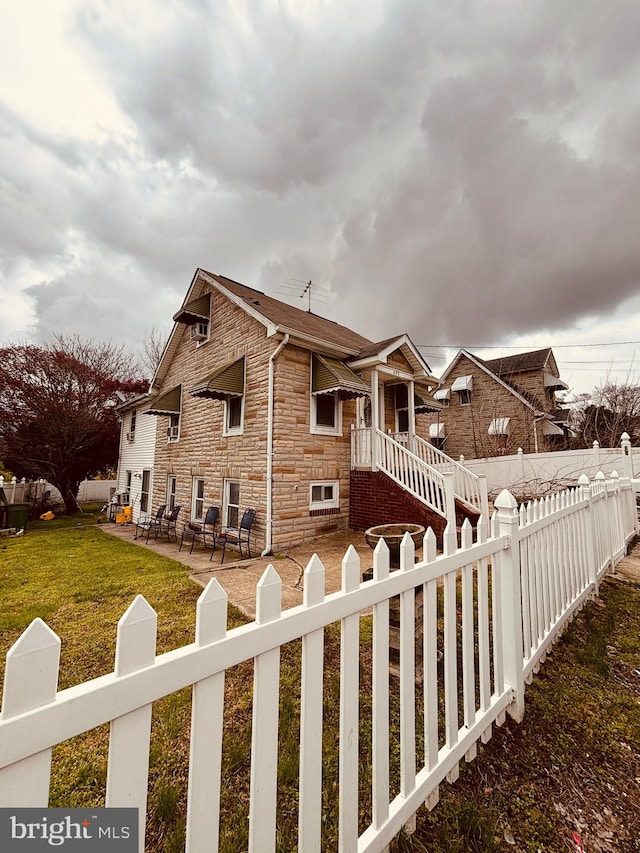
(571, 766)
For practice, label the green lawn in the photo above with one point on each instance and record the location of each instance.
(572, 765)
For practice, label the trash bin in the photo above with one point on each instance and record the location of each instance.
(17, 515)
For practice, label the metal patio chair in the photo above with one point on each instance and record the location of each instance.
(236, 536)
(168, 524)
(205, 532)
(149, 522)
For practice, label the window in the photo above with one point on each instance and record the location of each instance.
(463, 386)
(144, 491)
(131, 435)
(197, 499)
(231, 505)
(443, 395)
(172, 483)
(173, 430)
(126, 496)
(323, 495)
(233, 415)
(325, 414)
(437, 435)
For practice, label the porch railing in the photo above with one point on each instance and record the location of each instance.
(413, 474)
(393, 455)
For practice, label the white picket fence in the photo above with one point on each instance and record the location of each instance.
(492, 604)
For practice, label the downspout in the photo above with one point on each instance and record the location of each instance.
(270, 404)
(535, 430)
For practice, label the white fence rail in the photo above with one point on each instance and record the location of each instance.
(21, 491)
(535, 474)
(512, 588)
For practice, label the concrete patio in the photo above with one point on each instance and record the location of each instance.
(239, 577)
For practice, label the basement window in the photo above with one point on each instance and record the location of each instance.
(323, 495)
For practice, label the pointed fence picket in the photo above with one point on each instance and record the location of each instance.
(492, 605)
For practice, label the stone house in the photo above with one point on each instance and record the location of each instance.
(259, 404)
(494, 407)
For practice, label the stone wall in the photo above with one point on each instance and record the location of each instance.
(299, 457)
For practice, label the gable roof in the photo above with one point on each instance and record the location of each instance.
(286, 318)
(303, 327)
(522, 395)
(519, 363)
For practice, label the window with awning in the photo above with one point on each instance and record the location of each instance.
(226, 381)
(442, 395)
(437, 430)
(332, 376)
(167, 403)
(462, 383)
(499, 426)
(195, 312)
(463, 387)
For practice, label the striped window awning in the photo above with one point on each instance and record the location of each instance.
(167, 403)
(499, 426)
(226, 381)
(330, 376)
(442, 394)
(462, 383)
(437, 431)
(549, 428)
(196, 311)
(425, 404)
(551, 381)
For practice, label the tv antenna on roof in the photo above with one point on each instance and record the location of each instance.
(310, 288)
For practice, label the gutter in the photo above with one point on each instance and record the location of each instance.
(269, 532)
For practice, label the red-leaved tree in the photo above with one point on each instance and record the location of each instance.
(57, 410)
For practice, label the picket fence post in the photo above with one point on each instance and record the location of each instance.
(130, 735)
(508, 561)
(588, 531)
(30, 680)
(625, 443)
(207, 714)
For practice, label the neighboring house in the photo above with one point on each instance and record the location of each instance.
(263, 405)
(494, 407)
(137, 451)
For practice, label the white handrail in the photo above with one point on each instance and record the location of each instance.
(411, 472)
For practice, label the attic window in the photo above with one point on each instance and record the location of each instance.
(463, 386)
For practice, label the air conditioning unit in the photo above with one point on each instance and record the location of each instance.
(199, 332)
(172, 433)
(131, 436)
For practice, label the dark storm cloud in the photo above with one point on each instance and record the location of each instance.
(463, 171)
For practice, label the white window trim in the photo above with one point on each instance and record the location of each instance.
(325, 430)
(225, 502)
(171, 493)
(227, 430)
(333, 503)
(195, 498)
(173, 431)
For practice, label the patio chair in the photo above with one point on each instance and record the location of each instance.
(236, 536)
(205, 532)
(168, 524)
(149, 522)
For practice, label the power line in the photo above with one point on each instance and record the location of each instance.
(527, 348)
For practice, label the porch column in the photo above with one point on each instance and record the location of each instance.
(411, 405)
(375, 418)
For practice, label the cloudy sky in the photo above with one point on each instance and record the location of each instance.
(467, 171)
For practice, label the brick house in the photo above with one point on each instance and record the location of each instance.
(260, 404)
(494, 407)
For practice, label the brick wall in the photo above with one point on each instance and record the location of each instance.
(376, 499)
(466, 426)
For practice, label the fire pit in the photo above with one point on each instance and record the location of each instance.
(393, 534)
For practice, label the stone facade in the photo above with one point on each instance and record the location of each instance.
(467, 423)
(204, 451)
